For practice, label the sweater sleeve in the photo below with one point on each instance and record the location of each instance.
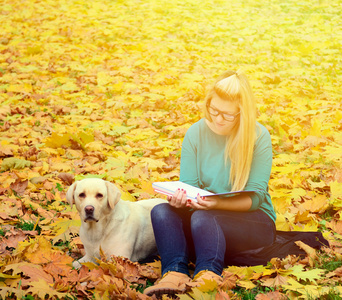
(260, 169)
(188, 165)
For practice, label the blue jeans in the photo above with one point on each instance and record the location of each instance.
(207, 237)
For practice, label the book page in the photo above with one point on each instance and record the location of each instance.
(170, 187)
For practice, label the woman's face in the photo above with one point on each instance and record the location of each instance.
(223, 110)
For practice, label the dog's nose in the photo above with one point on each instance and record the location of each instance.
(89, 209)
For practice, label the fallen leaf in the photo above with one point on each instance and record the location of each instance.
(14, 163)
(19, 186)
(67, 177)
(271, 296)
(42, 290)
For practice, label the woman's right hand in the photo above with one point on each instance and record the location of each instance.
(179, 199)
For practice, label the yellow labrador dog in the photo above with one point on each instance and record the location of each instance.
(120, 228)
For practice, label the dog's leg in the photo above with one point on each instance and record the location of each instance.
(77, 263)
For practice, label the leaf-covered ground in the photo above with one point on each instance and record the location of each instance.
(108, 88)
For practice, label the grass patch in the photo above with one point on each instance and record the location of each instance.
(244, 294)
(63, 245)
(28, 226)
(2, 232)
(328, 263)
(332, 295)
(140, 287)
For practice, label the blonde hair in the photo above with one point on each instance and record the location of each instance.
(234, 86)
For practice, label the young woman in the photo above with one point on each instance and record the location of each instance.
(228, 150)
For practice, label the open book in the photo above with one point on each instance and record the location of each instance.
(170, 187)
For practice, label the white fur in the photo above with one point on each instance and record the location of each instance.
(120, 228)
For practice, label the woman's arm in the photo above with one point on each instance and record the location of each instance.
(188, 163)
(235, 203)
(258, 181)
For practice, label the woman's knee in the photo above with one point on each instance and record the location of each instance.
(199, 218)
(160, 211)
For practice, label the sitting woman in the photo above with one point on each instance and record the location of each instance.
(228, 150)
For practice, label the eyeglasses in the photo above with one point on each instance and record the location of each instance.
(215, 112)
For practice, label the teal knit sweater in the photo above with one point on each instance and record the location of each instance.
(203, 164)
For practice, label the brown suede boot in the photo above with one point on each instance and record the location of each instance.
(172, 283)
(205, 275)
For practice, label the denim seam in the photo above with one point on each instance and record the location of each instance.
(210, 266)
(218, 239)
(177, 266)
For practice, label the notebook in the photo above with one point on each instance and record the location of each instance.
(170, 187)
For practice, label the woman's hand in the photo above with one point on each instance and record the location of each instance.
(205, 203)
(178, 199)
(236, 203)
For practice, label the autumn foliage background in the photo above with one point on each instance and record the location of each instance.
(108, 89)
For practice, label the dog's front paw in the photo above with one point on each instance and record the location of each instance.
(76, 264)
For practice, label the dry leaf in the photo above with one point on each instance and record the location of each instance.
(92, 89)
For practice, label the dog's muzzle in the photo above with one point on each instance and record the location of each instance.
(89, 213)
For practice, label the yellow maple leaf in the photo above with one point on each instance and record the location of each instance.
(147, 186)
(243, 272)
(103, 78)
(83, 138)
(318, 204)
(63, 225)
(208, 286)
(153, 164)
(297, 193)
(7, 148)
(311, 252)
(30, 203)
(20, 88)
(73, 154)
(338, 117)
(196, 293)
(4, 291)
(7, 276)
(14, 163)
(336, 191)
(333, 152)
(336, 226)
(96, 146)
(248, 285)
(282, 223)
(311, 275)
(59, 265)
(140, 135)
(314, 291)
(33, 271)
(276, 281)
(36, 250)
(127, 196)
(4, 110)
(118, 173)
(113, 162)
(61, 167)
(57, 140)
(42, 290)
(90, 265)
(69, 87)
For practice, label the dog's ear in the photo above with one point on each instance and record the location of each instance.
(113, 194)
(70, 194)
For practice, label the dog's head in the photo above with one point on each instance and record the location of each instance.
(93, 198)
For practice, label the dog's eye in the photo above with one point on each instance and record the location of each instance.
(82, 195)
(99, 195)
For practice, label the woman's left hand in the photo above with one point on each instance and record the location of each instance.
(205, 203)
